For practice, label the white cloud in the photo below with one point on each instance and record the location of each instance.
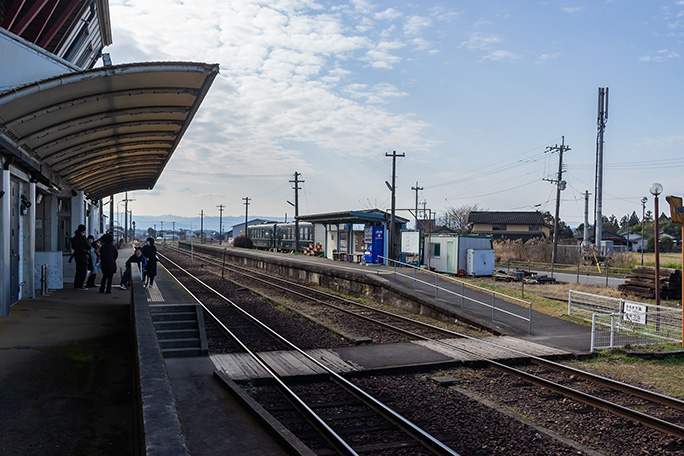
(415, 24)
(381, 56)
(500, 55)
(286, 82)
(389, 14)
(380, 93)
(545, 57)
(572, 9)
(478, 41)
(660, 56)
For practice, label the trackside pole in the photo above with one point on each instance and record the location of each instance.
(223, 266)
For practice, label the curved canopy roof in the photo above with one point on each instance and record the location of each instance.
(107, 130)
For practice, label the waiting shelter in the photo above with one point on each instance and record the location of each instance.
(346, 235)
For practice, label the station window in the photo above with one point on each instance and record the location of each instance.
(435, 250)
(499, 227)
(64, 224)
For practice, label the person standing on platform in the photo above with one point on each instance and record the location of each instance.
(95, 260)
(108, 256)
(137, 258)
(81, 248)
(150, 252)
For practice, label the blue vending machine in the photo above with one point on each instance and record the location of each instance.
(374, 243)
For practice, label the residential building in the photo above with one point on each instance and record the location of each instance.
(509, 225)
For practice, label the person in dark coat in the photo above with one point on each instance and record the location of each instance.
(81, 248)
(108, 256)
(150, 252)
(137, 258)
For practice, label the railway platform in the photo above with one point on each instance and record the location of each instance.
(543, 329)
(69, 383)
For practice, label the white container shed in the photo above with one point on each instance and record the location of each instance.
(449, 253)
(480, 262)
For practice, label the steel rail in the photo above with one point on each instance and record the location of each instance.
(251, 274)
(650, 421)
(328, 434)
(422, 437)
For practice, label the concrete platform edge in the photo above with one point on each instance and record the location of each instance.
(283, 434)
(161, 429)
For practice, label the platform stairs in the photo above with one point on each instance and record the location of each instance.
(180, 329)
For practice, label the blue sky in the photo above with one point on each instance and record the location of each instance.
(472, 92)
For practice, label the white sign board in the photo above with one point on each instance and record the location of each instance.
(410, 242)
(636, 313)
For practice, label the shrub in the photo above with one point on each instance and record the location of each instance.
(243, 242)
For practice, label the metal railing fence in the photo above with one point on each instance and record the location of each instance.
(620, 329)
(583, 305)
(616, 322)
(462, 295)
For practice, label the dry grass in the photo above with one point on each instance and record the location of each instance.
(663, 376)
(549, 299)
(666, 259)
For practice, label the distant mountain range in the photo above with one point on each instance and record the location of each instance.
(143, 222)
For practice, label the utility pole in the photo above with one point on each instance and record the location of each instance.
(202, 226)
(296, 187)
(391, 254)
(598, 202)
(417, 189)
(560, 185)
(585, 242)
(220, 206)
(246, 200)
(173, 232)
(125, 227)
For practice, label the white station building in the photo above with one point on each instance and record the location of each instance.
(72, 135)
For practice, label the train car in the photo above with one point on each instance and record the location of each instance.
(286, 236)
(281, 236)
(263, 235)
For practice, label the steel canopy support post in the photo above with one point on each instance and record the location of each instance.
(111, 214)
(126, 220)
(32, 240)
(5, 286)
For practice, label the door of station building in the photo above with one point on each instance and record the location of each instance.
(14, 241)
(450, 257)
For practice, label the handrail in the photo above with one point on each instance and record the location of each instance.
(462, 294)
(457, 280)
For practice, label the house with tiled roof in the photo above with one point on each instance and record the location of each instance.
(509, 225)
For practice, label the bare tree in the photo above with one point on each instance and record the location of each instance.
(456, 218)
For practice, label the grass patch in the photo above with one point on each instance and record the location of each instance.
(661, 375)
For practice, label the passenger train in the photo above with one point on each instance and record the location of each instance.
(280, 237)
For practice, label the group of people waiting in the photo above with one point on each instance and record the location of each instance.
(98, 256)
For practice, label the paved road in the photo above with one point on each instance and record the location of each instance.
(583, 278)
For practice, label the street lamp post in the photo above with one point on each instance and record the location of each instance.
(643, 216)
(656, 189)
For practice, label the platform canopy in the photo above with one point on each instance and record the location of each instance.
(106, 130)
(367, 216)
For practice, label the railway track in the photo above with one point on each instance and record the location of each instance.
(365, 419)
(598, 392)
(321, 303)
